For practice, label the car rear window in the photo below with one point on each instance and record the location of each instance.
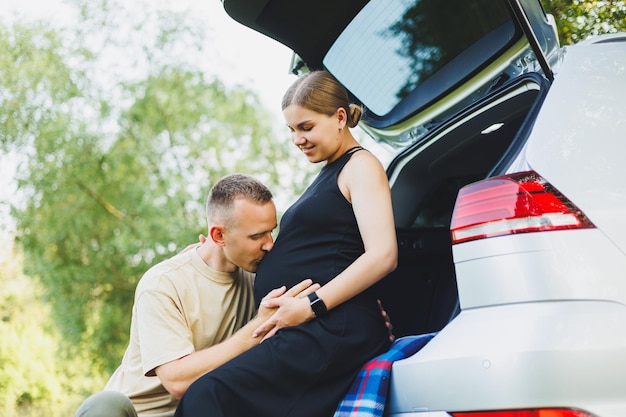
(391, 49)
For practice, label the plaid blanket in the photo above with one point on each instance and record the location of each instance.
(368, 393)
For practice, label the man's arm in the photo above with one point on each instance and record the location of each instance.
(177, 375)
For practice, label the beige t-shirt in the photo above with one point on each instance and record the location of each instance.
(181, 306)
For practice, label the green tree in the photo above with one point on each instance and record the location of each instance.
(33, 77)
(32, 381)
(580, 19)
(114, 168)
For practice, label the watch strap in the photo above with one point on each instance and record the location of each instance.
(317, 305)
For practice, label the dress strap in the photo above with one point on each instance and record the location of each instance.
(354, 149)
(343, 159)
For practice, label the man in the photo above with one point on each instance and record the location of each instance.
(190, 311)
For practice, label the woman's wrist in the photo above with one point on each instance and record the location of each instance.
(318, 307)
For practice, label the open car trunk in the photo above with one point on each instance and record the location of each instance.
(420, 296)
(449, 88)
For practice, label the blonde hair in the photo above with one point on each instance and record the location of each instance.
(320, 92)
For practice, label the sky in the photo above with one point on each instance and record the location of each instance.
(243, 57)
(240, 49)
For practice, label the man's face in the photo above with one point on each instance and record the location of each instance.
(250, 237)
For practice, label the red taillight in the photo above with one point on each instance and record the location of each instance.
(549, 412)
(517, 203)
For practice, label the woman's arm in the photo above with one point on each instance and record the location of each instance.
(364, 183)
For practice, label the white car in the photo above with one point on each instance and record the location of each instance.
(509, 189)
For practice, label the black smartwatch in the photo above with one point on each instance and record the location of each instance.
(317, 305)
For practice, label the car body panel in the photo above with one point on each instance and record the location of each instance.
(514, 356)
(571, 264)
(542, 320)
(564, 150)
(556, 265)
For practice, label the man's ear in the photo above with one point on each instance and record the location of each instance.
(216, 234)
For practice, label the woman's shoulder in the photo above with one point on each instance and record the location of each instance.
(363, 160)
(362, 172)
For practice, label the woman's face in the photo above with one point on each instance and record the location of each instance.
(317, 135)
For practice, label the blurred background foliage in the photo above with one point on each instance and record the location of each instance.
(118, 136)
(579, 19)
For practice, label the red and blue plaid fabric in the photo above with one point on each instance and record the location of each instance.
(368, 393)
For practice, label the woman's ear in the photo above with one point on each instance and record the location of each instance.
(342, 117)
(216, 234)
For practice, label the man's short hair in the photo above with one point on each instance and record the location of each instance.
(219, 204)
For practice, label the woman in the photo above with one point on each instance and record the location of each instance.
(341, 234)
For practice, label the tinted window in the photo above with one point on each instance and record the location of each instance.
(393, 47)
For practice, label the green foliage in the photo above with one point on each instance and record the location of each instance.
(30, 65)
(32, 381)
(579, 19)
(114, 167)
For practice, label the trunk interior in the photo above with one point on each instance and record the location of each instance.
(421, 295)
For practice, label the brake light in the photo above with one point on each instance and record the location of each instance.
(549, 412)
(517, 203)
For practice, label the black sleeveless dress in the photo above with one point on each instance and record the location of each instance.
(304, 370)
